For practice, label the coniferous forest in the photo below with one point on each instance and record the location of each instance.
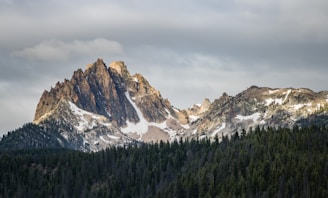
(264, 163)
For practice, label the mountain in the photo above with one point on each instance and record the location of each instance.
(104, 106)
(260, 106)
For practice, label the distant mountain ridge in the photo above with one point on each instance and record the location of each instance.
(260, 106)
(102, 106)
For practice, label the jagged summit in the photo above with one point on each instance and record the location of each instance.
(97, 90)
(98, 63)
(104, 98)
(120, 68)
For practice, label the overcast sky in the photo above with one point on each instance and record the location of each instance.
(187, 49)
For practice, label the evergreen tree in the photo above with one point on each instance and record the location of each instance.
(265, 163)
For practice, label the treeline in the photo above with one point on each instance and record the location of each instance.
(32, 136)
(265, 163)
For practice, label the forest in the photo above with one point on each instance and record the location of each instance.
(265, 162)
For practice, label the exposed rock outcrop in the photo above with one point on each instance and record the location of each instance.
(259, 106)
(98, 89)
(108, 99)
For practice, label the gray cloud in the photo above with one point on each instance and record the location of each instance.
(55, 50)
(187, 49)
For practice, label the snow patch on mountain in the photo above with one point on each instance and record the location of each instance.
(86, 120)
(143, 125)
(193, 118)
(113, 137)
(254, 117)
(288, 93)
(279, 101)
(299, 106)
(194, 131)
(273, 91)
(103, 139)
(269, 101)
(110, 115)
(223, 126)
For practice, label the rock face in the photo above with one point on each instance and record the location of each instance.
(98, 90)
(105, 106)
(258, 106)
(102, 104)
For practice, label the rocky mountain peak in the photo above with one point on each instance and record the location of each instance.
(104, 99)
(140, 87)
(97, 70)
(96, 90)
(99, 63)
(260, 106)
(204, 106)
(120, 68)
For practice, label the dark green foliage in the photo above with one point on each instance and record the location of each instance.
(315, 119)
(32, 136)
(265, 163)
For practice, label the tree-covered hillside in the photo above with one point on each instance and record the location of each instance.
(264, 163)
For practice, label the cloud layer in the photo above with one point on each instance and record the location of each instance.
(186, 49)
(55, 50)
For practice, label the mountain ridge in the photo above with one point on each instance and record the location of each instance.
(102, 106)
